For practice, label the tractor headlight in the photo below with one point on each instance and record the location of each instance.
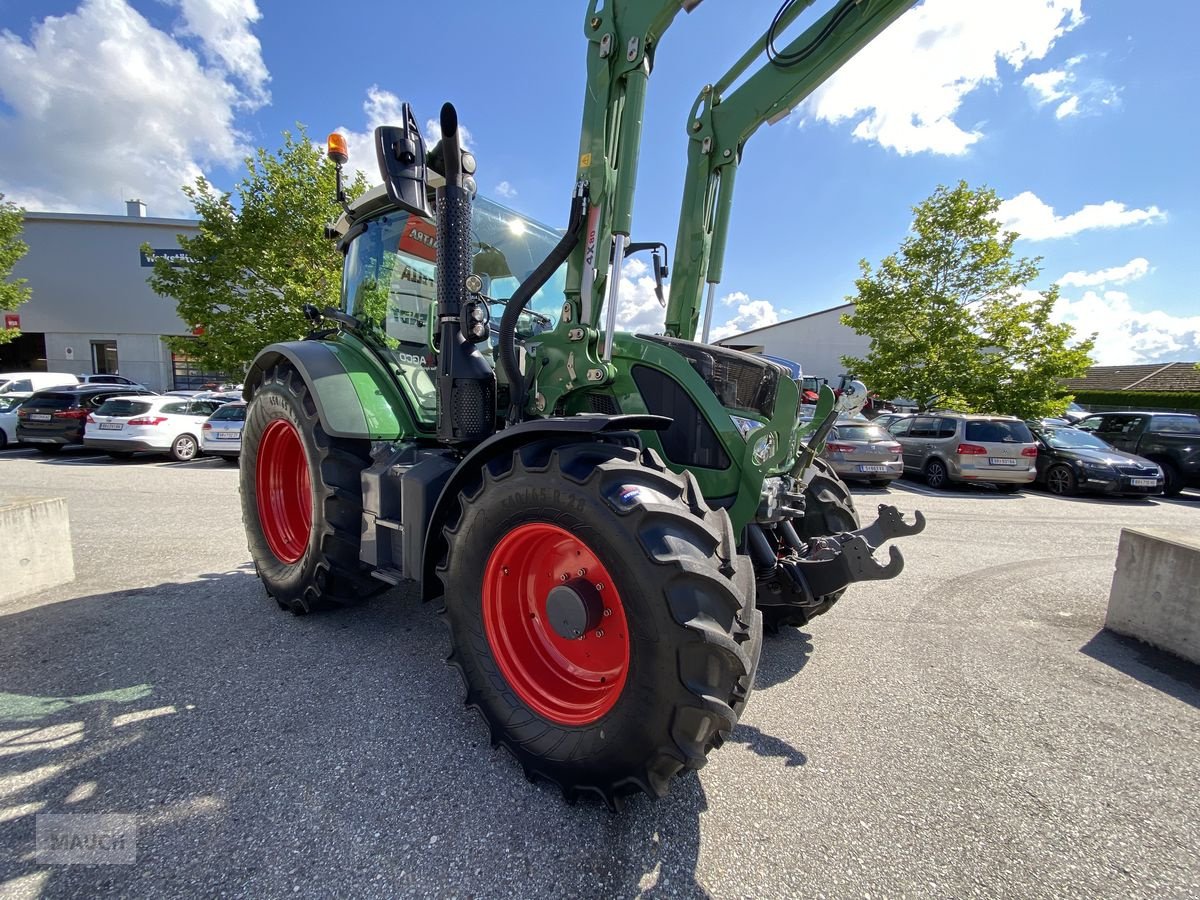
(745, 427)
(765, 447)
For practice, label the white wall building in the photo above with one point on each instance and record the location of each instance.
(91, 310)
(817, 341)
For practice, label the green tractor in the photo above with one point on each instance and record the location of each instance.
(610, 520)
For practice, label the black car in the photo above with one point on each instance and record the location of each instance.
(52, 419)
(1070, 461)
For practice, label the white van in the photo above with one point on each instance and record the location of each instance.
(25, 383)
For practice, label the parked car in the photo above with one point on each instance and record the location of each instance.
(1070, 461)
(8, 419)
(23, 384)
(859, 450)
(885, 420)
(128, 424)
(52, 419)
(961, 447)
(1172, 440)
(105, 378)
(221, 435)
(1075, 412)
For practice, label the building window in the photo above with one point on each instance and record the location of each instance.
(188, 376)
(104, 357)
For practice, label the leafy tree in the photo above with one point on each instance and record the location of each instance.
(13, 291)
(952, 322)
(254, 265)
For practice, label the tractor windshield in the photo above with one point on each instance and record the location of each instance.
(390, 276)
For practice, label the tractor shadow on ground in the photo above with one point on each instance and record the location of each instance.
(784, 654)
(265, 754)
(1157, 668)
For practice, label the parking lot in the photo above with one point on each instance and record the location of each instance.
(966, 729)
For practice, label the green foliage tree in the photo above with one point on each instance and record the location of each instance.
(13, 291)
(254, 265)
(952, 321)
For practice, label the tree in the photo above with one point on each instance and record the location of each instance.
(251, 269)
(953, 322)
(13, 291)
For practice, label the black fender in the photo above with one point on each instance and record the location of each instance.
(564, 430)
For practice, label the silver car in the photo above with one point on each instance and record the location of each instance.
(221, 434)
(862, 451)
(958, 447)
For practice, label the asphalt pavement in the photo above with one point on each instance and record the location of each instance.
(964, 730)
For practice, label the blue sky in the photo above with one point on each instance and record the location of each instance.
(1077, 112)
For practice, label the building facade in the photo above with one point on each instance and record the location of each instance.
(817, 341)
(91, 310)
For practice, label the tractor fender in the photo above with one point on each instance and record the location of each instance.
(354, 395)
(561, 429)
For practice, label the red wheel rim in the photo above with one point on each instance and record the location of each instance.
(571, 681)
(284, 491)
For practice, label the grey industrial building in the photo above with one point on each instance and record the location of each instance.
(817, 341)
(92, 310)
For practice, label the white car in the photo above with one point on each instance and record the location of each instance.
(8, 420)
(123, 426)
(23, 384)
(221, 435)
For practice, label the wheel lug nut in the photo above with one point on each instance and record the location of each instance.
(563, 577)
(607, 611)
(599, 632)
(505, 570)
(582, 572)
(599, 586)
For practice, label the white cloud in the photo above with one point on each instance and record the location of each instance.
(1035, 220)
(639, 310)
(104, 107)
(1125, 335)
(505, 190)
(223, 27)
(750, 314)
(1131, 271)
(1073, 92)
(906, 87)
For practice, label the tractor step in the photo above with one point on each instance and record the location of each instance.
(388, 574)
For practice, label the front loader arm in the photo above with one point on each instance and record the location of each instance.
(720, 124)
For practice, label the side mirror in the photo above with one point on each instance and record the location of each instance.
(400, 150)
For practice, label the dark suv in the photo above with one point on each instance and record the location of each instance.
(1172, 440)
(52, 419)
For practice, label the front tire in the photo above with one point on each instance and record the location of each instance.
(668, 646)
(936, 475)
(1172, 481)
(302, 499)
(1061, 480)
(828, 509)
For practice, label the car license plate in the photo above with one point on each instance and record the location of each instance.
(111, 426)
(872, 468)
(1144, 482)
(227, 435)
(1001, 461)
(39, 417)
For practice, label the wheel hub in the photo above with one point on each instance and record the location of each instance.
(555, 623)
(574, 608)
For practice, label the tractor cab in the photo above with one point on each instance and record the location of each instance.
(389, 282)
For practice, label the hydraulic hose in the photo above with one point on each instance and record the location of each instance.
(520, 299)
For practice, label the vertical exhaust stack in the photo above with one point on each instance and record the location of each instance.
(466, 384)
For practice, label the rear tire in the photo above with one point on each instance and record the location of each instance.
(1172, 482)
(621, 709)
(828, 509)
(185, 448)
(307, 555)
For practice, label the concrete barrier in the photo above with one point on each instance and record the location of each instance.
(35, 546)
(1155, 593)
